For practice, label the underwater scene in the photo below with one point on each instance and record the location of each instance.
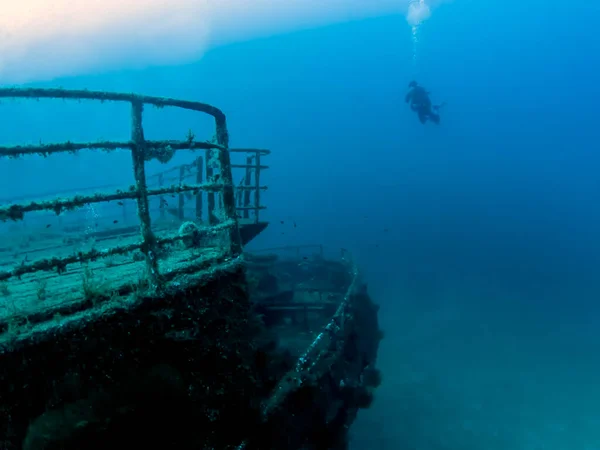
(325, 225)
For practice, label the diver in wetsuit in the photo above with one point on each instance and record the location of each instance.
(420, 102)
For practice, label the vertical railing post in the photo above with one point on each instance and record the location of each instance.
(247, 182)
(181, 199)
(257, 189)
(139, 173)
(199, 169)
(227, 180)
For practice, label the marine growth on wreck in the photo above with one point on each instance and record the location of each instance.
(154, 327)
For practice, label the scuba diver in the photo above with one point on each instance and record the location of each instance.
(420, 102)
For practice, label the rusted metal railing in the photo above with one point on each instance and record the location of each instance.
(142, 150)
(253, 165)
(158, 185)
(325, 347)
(180, 173)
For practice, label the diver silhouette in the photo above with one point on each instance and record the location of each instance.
(420, 102)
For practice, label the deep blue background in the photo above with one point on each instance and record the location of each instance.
(502, 195)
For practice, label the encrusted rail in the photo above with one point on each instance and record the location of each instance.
(217, 161)
(323, 373)
(179, 175)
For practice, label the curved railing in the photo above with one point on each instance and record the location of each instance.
(142, 150)
(326, 345)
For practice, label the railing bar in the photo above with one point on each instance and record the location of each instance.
(176, 189)
(17, 211)
(61, 263)
(107, 146)
(118, 195)
(83, 94)
(143, 151)
(94, 254)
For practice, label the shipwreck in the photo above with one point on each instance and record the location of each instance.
(152, 327)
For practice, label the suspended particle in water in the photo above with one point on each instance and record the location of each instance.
(418, 11)
(91, 217)
(415, 42)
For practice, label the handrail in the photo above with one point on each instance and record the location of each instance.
(85, 94)
(42, 150)
(141, 150)
(160, 150)
(321, 347)
(17, 212)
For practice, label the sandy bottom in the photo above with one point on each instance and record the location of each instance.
(474, 369)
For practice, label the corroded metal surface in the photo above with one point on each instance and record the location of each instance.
(150, 246)
(162, 332)
(50, 273)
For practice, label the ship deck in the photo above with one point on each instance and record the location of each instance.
(297, 290)
(47, 290)
(40, 240)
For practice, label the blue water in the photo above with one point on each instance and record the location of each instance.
(479, 237)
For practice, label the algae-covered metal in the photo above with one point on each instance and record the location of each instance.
(158, 330)
(121, 258)
(141, 151)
